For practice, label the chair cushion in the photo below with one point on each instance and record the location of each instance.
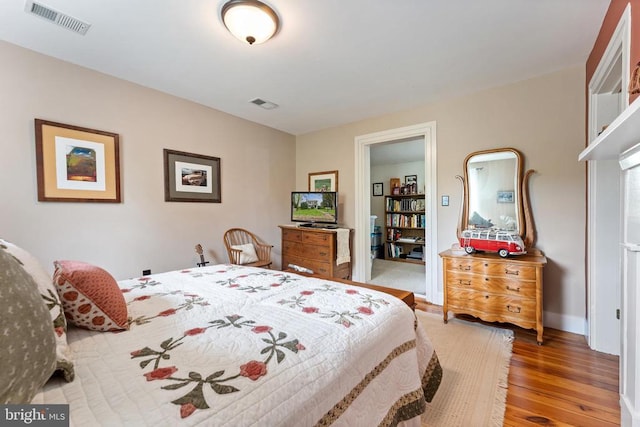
(48, 293)
(248, 254)
(90, 296)
(28, 342)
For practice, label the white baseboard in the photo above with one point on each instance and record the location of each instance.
(628, 417)
(573, 324)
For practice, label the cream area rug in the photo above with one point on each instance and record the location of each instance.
(399, 275)
(475, 362)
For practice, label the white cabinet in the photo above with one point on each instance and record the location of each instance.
(630, 295)
(622, 140)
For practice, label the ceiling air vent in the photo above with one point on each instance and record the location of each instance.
(264, 104)
(58, 18)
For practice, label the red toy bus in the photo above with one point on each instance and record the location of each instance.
(505, 243)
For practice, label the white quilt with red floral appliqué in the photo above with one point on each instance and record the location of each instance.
(242, 346)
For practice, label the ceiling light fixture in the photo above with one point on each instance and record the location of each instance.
(250, 21)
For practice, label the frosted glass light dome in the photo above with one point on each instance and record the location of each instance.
(250, 21)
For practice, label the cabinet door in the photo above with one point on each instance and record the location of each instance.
(630, 328)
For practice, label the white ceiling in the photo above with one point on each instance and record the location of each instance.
(394, 152)
(332, 62)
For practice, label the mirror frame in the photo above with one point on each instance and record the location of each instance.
(523, 210)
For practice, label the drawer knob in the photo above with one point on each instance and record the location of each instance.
(509, 288)
(464, 267)
(486, 296)
(465, 282)
(323, 253)
(514, 309)
(514, 273)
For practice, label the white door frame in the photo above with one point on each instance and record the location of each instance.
(619, 46)
(363, 143)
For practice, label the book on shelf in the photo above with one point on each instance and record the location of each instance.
(409, 239)
(405, 220)
(407, 204)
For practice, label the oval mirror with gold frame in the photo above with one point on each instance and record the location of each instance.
(495, 193)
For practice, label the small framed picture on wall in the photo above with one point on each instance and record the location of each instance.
(410, 179)
(377, 189)
(323, 181)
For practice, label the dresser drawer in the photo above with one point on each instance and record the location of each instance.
(321, 268)
(316, 238)
(492, 307)
(291, 235)
(319, 253)
(292, 259)
(479, 266)
(292, 248)
(511, 270)
(318, 267)
(465, 265)
(497, 285)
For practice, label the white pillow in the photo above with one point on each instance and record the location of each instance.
(248, 254)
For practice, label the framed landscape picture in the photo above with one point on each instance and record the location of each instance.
(191, 177)
(76, 164)
(505, 197)
(323, 181)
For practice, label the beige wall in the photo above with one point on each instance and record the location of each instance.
(144, 231)
(541, 117)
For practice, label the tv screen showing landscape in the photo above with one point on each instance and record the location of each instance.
(314, 207)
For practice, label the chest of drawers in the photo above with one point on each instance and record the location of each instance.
(495, 289)
(315, 249)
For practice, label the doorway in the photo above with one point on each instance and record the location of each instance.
(363, 144)
(402, 160)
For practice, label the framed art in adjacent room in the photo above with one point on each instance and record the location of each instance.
(377, 189)
(191, 177)
(323, 181)
(76, 164)
(410, 179)
(506, 197)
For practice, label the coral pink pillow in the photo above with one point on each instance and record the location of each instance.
(90, 296)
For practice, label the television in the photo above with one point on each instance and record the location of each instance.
(315, 208)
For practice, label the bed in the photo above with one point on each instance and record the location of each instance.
(245, 346)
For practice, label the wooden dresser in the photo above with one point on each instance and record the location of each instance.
(495, 289)
(315, 249)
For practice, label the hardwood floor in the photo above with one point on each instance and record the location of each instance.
(560, 383)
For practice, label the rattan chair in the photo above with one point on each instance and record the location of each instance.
(235, 238)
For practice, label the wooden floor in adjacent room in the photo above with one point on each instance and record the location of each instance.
(559, 383)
